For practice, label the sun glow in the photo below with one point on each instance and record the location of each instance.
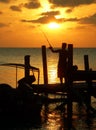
(53, 25)
(52, 74)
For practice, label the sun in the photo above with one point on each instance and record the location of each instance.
(53, 25)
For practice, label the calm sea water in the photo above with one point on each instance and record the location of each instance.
(54, 120)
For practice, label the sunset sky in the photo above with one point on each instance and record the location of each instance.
(31, 23)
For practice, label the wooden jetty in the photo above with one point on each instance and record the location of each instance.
(75, 92)
(86, 89)
(70, 88)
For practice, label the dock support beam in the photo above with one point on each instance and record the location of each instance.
(69, 85)
(86, 62)
(45, 75)
(27, 64)
(89, 82)
(45, 71)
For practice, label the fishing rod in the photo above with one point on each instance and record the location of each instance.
(45, 37)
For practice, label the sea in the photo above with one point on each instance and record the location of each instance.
(55, 119)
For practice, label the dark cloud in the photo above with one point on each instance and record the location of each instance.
(42, 20)
(5, 1)
(15, 8)
(45, 18)
(3, 25)
(89, 20)
(70, 3)
(69, 10)
(51, 13)
(33, 4)
(49, 17)
(86, 20)
(71, 20)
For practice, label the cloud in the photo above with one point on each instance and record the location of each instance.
(45, 18)
(33, 4)
(51, 13)
(86, 20)
(71, 20)
(3, 25)
(5, 1)
(49, 18)
(15, 8)
(69, 10)
(42, 20)
(73, 3)
(89, 20)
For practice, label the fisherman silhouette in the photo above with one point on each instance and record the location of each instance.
(62, 62)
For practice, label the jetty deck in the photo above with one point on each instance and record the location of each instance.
(61, 88)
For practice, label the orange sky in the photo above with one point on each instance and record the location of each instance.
(25, 23)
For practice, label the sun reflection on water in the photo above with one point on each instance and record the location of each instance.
(52, 74)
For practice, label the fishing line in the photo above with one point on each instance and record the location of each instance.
(45, 37)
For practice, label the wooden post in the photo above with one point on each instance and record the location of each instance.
(89, 82)
(45, 74)
(70, 83)
(44, 58)
(27, 64)
(86, 62)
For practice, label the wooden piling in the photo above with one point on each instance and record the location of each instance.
(44, 59)
(69, 85)
(86, 62)
(45, 76)
(27, 64)
(89, 82)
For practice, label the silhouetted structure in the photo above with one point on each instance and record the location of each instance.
(25, 101)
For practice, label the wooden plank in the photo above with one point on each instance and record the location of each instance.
(84, 75)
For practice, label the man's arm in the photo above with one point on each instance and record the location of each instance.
(56, 51)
